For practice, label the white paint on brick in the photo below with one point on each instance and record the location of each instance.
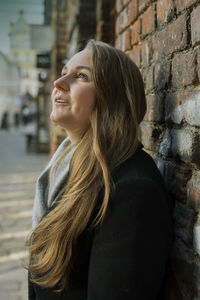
(165, 144)
(161, 166)
(188, 111)
(191, 110)
(196, 238)
(176, 115)
(182, 141)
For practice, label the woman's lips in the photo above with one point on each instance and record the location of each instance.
(59, 101)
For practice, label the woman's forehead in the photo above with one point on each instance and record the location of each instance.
(82, 58)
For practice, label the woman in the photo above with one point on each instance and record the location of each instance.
(102, 226)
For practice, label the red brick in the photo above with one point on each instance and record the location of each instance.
(126, 39)
(146, 52)
(132, 11)
(195, 25)
(171, 38)
(135, 55)
(184, 69)
(165, 11)
(135, 32)
(122, 21)
(150, 136)
(143, 4)
(161, 75)
(147, 74)
(193, 190)
(127, 16)
(125, 2)
(148, 20)
(119, 5)
(155, 108)
(183, 4)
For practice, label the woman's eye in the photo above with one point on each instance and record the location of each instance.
(82, 76)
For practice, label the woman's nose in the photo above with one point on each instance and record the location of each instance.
(62, 83)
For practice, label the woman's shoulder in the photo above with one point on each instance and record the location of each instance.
(140, 167)
(138, 182)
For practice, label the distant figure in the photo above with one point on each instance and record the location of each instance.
(25, 114)
(4, 121)
(16, 117)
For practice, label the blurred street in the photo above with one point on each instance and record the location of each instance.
(18, 173)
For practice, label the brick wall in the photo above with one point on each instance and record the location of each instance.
(163, 38)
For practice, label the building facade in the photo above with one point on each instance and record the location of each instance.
(9, 89)
(22, 54)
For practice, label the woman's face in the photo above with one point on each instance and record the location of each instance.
(73, 96)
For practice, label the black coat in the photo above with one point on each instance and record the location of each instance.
(126, 257)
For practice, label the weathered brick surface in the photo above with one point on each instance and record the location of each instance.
(174, 108)
(185, 145)
(195, 27)
(171, 38)
(165, 44)
(165, 145)
(183, 4)
(165, 11)
(183, 106)
(148, 78)
(193, 190)
(177, 177)
(198, 64)
(161, 74)
(125, 2)
(132, 11)
(184, 224)
(147, 52)
(148, 20)
(155, 108)
(191, 109)
(119, 5)
(150, 136)
(126, 39)
(118, 24)
(142, 4)
(182, 64)
(118, 42)
(122, 20)
(136, 30)
(135, 55)
(196, 238)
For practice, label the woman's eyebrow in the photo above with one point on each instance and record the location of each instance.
(83, 67)
(77, 68)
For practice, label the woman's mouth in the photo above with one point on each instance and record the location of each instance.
(61, 102)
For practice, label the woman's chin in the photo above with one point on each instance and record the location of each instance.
(54, 118)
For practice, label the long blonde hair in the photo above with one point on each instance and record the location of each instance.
(111, 138)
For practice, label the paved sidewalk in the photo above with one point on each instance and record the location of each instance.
(18, 174)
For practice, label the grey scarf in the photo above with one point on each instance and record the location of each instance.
(47, 195)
